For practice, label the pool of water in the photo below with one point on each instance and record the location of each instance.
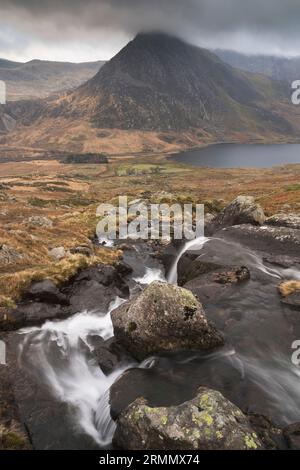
(241, 156)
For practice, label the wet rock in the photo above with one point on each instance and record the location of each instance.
(30, 314)
(123, 268)
(95, 288)
(268, 239)
(243, 210)
(58, 253)
(40, 221)
(108, 354)
(284, 220)
(191, 266)
(163, 318)
(12, 432)
(270, 436)
(292, 436)
(207, 422)
(283, 261)
(46, 291)
(9, 255)
(219, 282)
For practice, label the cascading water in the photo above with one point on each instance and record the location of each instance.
(59, 351)
(196, 244)
(254, 369)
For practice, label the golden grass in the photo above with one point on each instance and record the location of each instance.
(74, 213)
(287, 288)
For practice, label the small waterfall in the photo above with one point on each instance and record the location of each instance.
(151, 275)
(58, 353)
(196, 244)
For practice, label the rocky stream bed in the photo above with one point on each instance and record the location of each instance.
(173, 348)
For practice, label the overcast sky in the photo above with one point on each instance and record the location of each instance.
(74, 30)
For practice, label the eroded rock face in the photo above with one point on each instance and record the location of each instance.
(207, 422)
(243, 210)
(163, 318)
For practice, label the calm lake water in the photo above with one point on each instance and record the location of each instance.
(241, 156)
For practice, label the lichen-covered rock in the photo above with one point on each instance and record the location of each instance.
(243, 210)
(163, 318)
(207, 422)
(40, 221)
(9, 255)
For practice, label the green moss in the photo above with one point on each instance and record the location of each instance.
(13, 441)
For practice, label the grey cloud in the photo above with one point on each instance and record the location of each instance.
(265, 23)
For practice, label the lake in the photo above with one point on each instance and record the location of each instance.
(241, 156)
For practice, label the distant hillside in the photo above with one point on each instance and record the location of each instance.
(278, 68)
(39, 79)
(159, 93)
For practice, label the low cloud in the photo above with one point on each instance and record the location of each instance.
(98, 28)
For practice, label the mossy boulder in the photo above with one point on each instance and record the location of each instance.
(163, 318)
(242, 210)
(207, 422)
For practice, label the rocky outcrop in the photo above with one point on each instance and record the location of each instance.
(163, 318)
(46, 291)
(40, 221)
(211, 286)
(93, 289)
(243, 210)
(284, 220)
(207, 422)
(268, 239)
(9, 255)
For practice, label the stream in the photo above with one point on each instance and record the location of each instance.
(254, 369)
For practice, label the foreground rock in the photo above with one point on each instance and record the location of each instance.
(207, 422)
(243, 210)
(163, 318)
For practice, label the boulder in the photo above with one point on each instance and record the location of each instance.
(243, 210)
(207, 422)
(45, 291)
(163, 318)
(58, 253)
(9, 255)
(40, 221)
